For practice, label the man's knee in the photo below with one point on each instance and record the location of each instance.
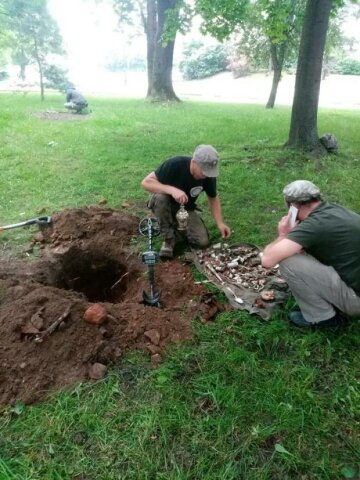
(294, 264)
(159, 201)
(199, 238)
(199, 242)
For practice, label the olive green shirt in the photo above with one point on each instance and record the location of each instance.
(331, 234)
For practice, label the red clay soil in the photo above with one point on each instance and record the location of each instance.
(87, 258)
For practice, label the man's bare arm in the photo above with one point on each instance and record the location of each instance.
(215, 208)
(278, 250)
(152, 184)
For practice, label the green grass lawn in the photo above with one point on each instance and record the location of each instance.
(246, 400)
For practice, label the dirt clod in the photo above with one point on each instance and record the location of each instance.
(153, 336)
(86, 259)
(95, 314)
(97, 371)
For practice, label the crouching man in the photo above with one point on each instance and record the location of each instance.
(75, 100)
(179, 181)
(319, 257)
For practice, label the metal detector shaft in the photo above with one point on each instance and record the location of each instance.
(34, 221)
(150, 228)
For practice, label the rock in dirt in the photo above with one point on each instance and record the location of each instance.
(156, 359)
(153, 335)
(38, 238)
(97, 371)
(96, 314)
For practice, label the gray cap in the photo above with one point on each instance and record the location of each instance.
(301, 191)
(208, 160)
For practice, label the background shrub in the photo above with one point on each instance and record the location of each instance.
(201, 62)
(348, 66)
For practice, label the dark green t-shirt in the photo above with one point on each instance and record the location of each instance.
(176, 172)
(331, 234)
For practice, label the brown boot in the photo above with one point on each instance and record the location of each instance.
(167, 249)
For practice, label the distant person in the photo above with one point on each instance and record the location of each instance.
(179, 181)
(318, 256)
(75, 100)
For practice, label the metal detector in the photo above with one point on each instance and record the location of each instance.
(149, 227)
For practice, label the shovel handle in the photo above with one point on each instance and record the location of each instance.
(33, 221)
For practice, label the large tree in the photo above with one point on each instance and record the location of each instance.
(160, 21)
(303, 128)
(34, 35)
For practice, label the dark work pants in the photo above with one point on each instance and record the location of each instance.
(165, 211)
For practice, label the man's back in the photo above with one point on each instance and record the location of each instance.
(331, 234)
(73, 95)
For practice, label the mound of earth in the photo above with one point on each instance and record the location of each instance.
(87, 260)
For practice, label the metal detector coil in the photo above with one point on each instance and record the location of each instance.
(149, 227)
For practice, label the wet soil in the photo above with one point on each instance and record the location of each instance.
(88, 257)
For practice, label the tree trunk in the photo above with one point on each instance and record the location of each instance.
(277, 59)
(42, 89)
(150, 30)
(22, 72)
(41, 76)
(160, 58)
(303, 128)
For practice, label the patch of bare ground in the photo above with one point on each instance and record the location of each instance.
(47, 342)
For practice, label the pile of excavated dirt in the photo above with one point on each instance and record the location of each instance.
(87, 260)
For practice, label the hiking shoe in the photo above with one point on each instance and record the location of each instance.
(297, 319)
(167, 249)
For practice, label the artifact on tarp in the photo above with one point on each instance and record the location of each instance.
(237, 271)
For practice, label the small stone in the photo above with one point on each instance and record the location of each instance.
(268, 295)
(153, 335)
(117, 353)
(61, 250)
(156, 359)
(29, 329)
(38, 238)
(17, 291)
(97, 371)
(153, 349)
(96, 314)
(22, 365)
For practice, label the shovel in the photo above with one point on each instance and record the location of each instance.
(41, 221)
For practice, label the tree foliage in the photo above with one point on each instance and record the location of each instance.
(267, 29)
(33, 34)
(203, 61)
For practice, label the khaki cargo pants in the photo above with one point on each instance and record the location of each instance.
(165, 211)
(318, 289)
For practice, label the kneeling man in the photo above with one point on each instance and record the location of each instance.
(179, 181)
(319, 257)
